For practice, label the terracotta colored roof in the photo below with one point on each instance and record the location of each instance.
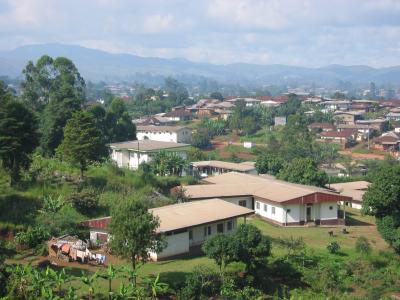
(224, 165)
(338, 134)
(322, 125)
(264, 98)
(178, 113)
(146, 145)
(355, 189)
(239, 184)
(186, 215)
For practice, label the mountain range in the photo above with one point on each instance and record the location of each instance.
(96, 65)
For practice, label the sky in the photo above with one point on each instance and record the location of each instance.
(294, 32)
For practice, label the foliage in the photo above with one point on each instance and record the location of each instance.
(201, 138)
(82, 141)
(195, 154)
(201, 282)
(222, 249)
(52, 204)
(269, 164)
(333, 247)
(133, 231)
(18, 136)
(363, 246)
(216, 95)
(118, 122)
(253, 248)
(303, 171)
(32, 237)
(85, 202)
(168, 163)
(382, 200)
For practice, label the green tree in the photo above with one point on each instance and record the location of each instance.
(303, 171)
(216, 95)
(333, 247)
(18, 136)
(110, 274)
(269, 163)
(133, 230)
(363, 246)
(222, 249)
(201, 138)
(382, 200)
(253, 248)
(119, 123)
(82, 141)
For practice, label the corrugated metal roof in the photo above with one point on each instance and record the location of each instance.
(146, 145)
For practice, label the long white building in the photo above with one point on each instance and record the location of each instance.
(176, 134)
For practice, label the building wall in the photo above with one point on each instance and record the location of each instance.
(181, 136)
(326, 212)
(236, 200)
(93, 235)
(176, 244)
(278, 216)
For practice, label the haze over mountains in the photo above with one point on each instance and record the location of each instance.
(96, 65)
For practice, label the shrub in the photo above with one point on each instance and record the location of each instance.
(32, 237)
(333, 247)
(85, 202)
(202, 282)
(363, 246)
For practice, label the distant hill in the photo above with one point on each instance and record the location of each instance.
(98, 65)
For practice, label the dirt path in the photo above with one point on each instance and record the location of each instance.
(360, 156)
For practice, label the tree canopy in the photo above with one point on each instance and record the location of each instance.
(82, 141)
(18, 135)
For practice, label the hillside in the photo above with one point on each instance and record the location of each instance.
(98, 65)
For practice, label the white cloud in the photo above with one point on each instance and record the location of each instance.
(157, 23)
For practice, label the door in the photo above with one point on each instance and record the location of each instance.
(308, 213)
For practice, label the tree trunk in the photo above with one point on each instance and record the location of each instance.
(134, 270)
(109, 289)
(14, 174)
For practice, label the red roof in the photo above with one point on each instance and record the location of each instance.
(264, 98)
(339, 134)
(101, 223)
(322, 125)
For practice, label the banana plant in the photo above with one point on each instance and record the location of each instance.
(110, 275)
(156, 287)
(59, 278)
(89, 282)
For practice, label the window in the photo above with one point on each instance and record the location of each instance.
(229, 225)
(258, 205)
(243, 203)
(205, 231)
(220, 228)
(209, 232)
(190, 234)
(273, 210)
(330, 207)
(265, 207)
(288, 210)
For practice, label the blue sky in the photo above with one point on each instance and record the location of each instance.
(294, 32)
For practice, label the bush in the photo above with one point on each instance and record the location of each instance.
(201, 283)
(333, 247)
(32, 237)
(85, 202)
(363, 246)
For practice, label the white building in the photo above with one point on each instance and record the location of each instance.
(186, 226)
(176, 134)
(276, 201)
(355, 190)
(132, 153)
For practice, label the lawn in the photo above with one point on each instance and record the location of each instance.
(175, 271)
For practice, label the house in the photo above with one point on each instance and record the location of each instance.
(275, 201)
(131, 154)
(355, 190)
(321, 126)
(343, 138)
(363, 130)
(348, 117)
(334, 105)
(280, 121)
(215, 167)
(388, 141)
(376, 124)
(186, 226)
(393, 116)
(248, 101)
(153, 120)
(176, 134)
(179, 115)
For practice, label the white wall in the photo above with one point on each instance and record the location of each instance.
(93, 234)
(235, 200)
(326, 213)
(294, 214)
(176, 244)
(278, 216)
(181, 136)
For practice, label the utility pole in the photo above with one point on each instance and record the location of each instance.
(368, 136)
